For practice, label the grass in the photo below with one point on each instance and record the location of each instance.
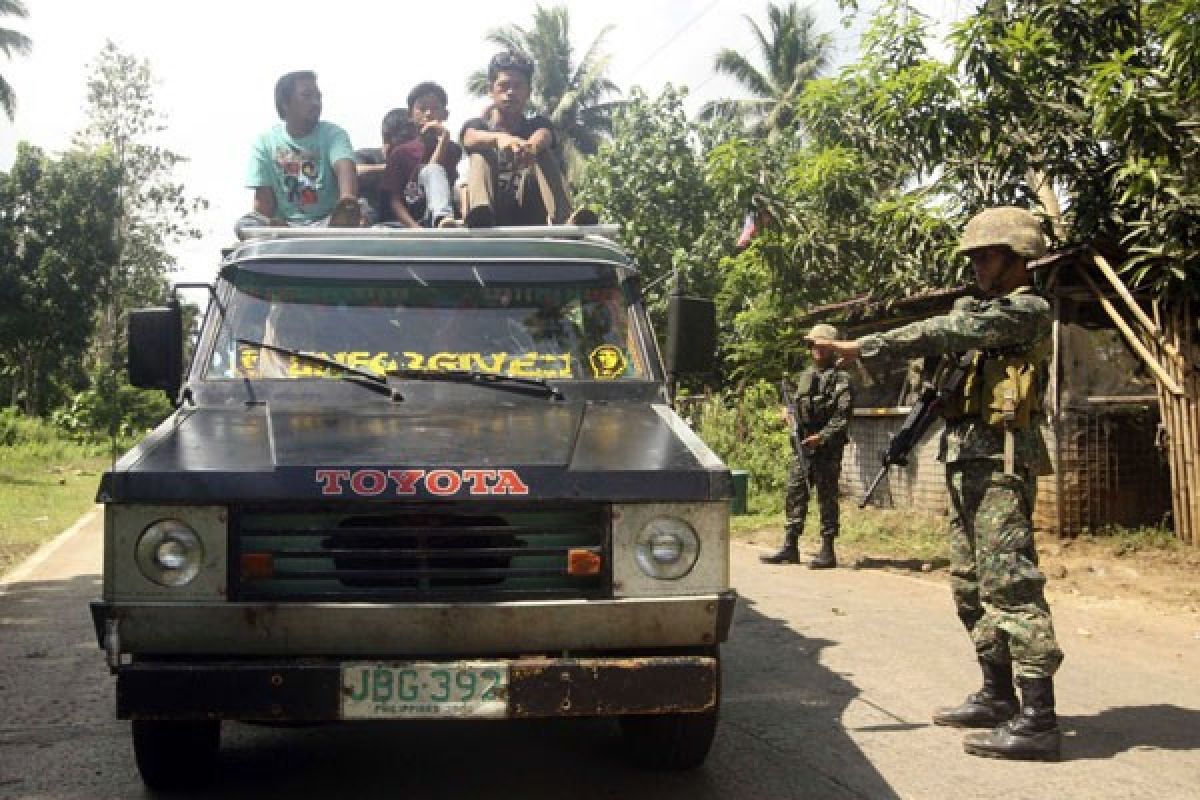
(44, 487)
(874, 534)
(894, 535)
(914, 538)
(1127, 541)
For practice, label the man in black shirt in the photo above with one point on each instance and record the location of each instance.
(515, 176)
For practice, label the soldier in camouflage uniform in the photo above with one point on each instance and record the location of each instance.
(993, 453)
(822, 406)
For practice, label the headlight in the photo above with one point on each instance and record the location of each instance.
(667, 548)
(170, 553)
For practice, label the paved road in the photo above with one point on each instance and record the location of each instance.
(829, 681)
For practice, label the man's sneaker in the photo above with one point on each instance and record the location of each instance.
(449, 222)
(480, 217)
(583, 216)
(346, 214)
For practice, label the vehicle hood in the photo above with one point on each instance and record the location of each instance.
(532, 451)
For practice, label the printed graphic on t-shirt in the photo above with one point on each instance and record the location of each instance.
(414, 195)
(507, 176)
(299, 170)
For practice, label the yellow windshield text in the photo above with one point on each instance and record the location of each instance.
(517, 365)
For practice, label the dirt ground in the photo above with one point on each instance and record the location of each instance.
(1168, 579)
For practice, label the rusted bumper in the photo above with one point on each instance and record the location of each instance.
(538, 687)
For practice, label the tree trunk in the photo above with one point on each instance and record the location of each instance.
(28, 380)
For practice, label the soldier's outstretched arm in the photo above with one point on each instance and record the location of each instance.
(1014, 321)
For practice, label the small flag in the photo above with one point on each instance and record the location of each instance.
(749, 230)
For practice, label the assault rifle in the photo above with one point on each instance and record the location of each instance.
(924, 411)
(793, 429)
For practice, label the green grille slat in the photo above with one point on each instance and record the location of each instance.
(415, 553)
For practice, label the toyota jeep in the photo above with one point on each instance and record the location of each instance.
(417, 475)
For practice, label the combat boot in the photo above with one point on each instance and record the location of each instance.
(826, 559)
(994, 704)
(1032, 735)
(788, 554)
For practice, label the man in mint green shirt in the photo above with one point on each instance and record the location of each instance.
(302, 170)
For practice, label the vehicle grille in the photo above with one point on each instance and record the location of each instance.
(416, 553)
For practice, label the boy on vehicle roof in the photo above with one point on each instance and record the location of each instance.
(302, 169)
(515, 176)
(421, 162)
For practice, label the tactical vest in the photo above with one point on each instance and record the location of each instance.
(1003, 389)
(814, 403)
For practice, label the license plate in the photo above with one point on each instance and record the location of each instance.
(424, 690)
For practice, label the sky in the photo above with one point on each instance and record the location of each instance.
(216, 63)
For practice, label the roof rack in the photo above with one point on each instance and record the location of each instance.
(384, 232)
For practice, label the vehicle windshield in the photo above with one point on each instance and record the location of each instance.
(543, 322)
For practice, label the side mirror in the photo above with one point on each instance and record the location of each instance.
(691, 335)
(156, 348)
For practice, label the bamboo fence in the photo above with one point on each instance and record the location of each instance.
(1168, 346)
(1181, 414)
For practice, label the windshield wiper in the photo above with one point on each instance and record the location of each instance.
(540, 385)
(356, 375)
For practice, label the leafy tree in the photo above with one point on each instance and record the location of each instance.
(1084, 111)
(12, 42)
(56, 219)
(1093, 106)
(850, 209)
(650, 179)
(152, 210)
(746, 430)
(792, 53)
(572, 94)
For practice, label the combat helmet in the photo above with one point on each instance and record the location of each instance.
(822, 331)
(1008, 226)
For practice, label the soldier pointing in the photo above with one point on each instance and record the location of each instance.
(819, 416)
(993, 453)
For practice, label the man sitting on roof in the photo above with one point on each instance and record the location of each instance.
(421, 162)
(302, 169)
(515, 176)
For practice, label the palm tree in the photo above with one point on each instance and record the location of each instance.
(793, 54)
(12, 42)
(571, 95)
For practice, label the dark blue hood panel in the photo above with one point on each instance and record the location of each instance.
(522, 451)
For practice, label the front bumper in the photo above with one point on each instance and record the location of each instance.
(538, 687)
(237, 630)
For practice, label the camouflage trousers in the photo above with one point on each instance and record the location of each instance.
(825, 467)
(998, 588)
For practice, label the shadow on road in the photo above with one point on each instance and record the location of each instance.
(1115, 730)
(781, 734)
(780, 696)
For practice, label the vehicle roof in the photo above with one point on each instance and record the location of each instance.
(564, 243)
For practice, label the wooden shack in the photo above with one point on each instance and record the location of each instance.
(1110, 451)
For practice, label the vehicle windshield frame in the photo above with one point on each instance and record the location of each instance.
(488, 273)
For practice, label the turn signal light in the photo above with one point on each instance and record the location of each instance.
(258, 565)
(583, 562)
